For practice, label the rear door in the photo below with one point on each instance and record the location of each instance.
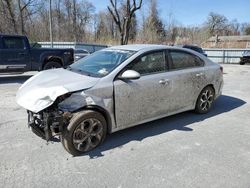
(14, 54)
(187, 76)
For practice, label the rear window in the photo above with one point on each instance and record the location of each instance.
(13, 43)
(197, 49)
(183, 60)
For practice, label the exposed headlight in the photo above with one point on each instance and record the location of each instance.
(63, 97)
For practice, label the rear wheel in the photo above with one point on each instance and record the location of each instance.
(205, 100)
(86, 130)
(52, 65)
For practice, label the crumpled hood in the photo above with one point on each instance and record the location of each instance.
(41, 90)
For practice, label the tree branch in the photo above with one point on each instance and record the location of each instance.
(114, 12)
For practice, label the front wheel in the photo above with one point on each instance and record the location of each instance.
(205, 100)
(52, 65)
(86, 130)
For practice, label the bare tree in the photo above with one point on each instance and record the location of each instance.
(85, 16)
(247, 30)
(10, 8)
(153, 27)
(244, 28)
(234, 27)
(76, 20)
(58, 18)
(74, 11)
(124, 24)
(101, 28)
(217, 24)
(106, 29)
(22, 7)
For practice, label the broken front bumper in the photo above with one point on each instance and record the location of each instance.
(46, 125)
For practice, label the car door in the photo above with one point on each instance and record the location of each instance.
(187, 76)
(146, 98)
(15, 55)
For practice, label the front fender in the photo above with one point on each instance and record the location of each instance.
(79, 100)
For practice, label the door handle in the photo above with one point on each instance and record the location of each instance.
(22, 54)
(199, 74)
(164, 82)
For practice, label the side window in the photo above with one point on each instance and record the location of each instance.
(13, 43)
(149, 63)
(182, 60)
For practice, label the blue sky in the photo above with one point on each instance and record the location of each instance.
(194, 12)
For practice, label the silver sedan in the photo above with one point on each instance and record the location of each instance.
(117, 88)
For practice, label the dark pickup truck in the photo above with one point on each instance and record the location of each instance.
(245, 58)
(16, 55)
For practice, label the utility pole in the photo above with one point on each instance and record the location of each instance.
(50, 25)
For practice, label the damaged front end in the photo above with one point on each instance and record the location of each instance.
(51, 121)
(46, 124)
(41, 95)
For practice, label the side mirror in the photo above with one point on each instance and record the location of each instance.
(129, 75)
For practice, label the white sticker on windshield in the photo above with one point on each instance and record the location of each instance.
(103, 71)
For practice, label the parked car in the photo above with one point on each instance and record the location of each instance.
(245, 58)
(80, 53)
(116, 88)
(16, 55)
(195, 48)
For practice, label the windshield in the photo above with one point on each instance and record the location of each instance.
(101, 63)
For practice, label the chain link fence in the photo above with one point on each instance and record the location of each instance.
(219, 55)
(75, 45)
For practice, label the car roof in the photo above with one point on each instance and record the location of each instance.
(148, 47)
(139, 47)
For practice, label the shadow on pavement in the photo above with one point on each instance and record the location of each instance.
(19, 79)
(176, 122)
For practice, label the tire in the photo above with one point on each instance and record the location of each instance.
(242, 63)
(205, 100)
(86, 130)
(52, 65)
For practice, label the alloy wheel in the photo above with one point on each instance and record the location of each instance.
(88, 134)
(206, 100)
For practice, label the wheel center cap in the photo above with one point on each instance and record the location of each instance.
(88, 134)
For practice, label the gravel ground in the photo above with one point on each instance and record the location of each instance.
(184, 150)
